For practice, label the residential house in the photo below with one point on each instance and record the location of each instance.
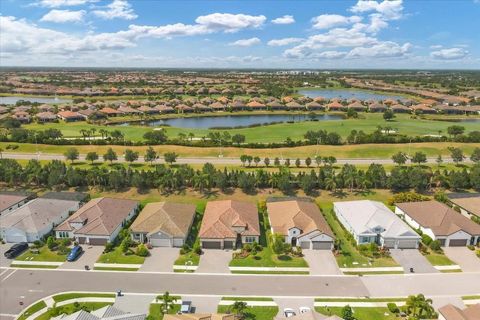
(38, 217)
(46, 116)
(10, 201)
(440, 222)
(467, 203)
(99, 221)
(451, 312)
(22, 116)
(163, 224)
(105, 313)
(68, 116)
(372, 222)
(228, 224)
(301, 223)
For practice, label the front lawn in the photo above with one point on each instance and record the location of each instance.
(117, 256)
(257, 313)
(438, 259)
(44, 254)
(360, 313)
(75, 295)
(189, 256)
(33, 309)
(155, 314)
(72, 308)
(192, 240)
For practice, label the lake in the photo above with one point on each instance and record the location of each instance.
(233, 121)
(348, 94)
(13, 100)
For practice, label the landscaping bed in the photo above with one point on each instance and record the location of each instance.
(72, 308)
(32, 309)
(257, 313)
(75, 295)
(191, 249)
(155, 313)
(360, 313)
(43, 254)
(117, 256)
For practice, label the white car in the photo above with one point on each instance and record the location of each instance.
(289, 312)
(305, 309)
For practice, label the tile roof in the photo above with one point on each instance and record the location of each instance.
(170, 218)
(221, 216)
(8, 200)
(471, 203)
(451, 312)
(439, 217)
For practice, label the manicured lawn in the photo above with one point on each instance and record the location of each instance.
(247, 299)
(44, 254)
(31, 310)
(363, 313)
(359, 300)
(115, 269)
(74, 295)
(32, 266)
(155, 314)
(190, 256)
(267, 258)
(192, 239)
(117, 256)
(439, 259)
(271, 272)
(70, 308)
(258, 313)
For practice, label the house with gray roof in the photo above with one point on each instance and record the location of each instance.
(36, 218)
(372, 222)
(105, 313)
(10, 201)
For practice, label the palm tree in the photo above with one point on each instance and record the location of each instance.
(419, 307)
(239, 308)
(330, 183)
(167, 302)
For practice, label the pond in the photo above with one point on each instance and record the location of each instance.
(234, 121)
(13, 100)
(348, 94)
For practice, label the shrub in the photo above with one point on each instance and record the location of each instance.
(142, 251)
(62, 249)
(426, 239)
(392, 307)
(108, 247)
(66, 242)
(51, 243)
(407, 197)
(37, 244)
(435, 245)
(197, 249)
(471, 247)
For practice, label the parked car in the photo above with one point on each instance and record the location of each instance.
(74, 253)
(186, 307)
(304, 309)
(15, 250)
(289, 312)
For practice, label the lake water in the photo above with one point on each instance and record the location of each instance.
(233, 121)
(13, 100)
(348, 94)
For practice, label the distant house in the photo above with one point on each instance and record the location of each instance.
(11, 201)
(451, 312)
(440, 222)
(110, 112)
(163, 224)
(468, 204)
(22, 116)
(314, 105)
(46, 116)
(68, 116)
(38, 217)
(228, 224)
(99, 221)
(255, 105)
(372, 222)
(301, 223)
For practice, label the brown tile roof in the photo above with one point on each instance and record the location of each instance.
(451, 312)
(439, 217)
(303, 214)
(471, 203)
(68, 114)
(255, 104)
(100, 216)
(8, 200)
(171, 218)
(221, 216)
(108, 110)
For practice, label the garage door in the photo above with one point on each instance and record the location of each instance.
(228, 244)
(15, 238)
(160, 242)
(407, 244)
(442, 242)
(211, 244)
(389, 243)
(177, 242)
(98, 242)
(321, 245)
(305, 244)
(458, 242)
(81, 240)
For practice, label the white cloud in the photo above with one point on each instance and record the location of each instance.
(63, 3)
(449, 54)
(246, 42)
(436, 46)
(286, 19)
(118, 9)
(389, 9)
(331, 55)
(62, 16)
(283, 42)
(381, 50)
(327, 21)
(230, 22)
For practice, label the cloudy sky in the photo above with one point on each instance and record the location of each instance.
(241, 34)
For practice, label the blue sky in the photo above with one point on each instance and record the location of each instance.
(241, 34)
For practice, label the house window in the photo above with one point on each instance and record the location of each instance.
(250, 239)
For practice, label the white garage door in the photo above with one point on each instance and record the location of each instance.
(177, 242)
(321, 245)
(16, 238)
(305, 244)
(160, 242)
(407, 244)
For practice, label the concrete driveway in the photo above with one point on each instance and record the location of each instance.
(88, 258)
(412, 258)
(4, 262)
(214, 261)
(134, 303)
(293, 303)
(203, 304)
(464, 257)
(160, 259)
(321, 262)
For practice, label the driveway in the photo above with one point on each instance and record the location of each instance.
(214, 261)
(464, 257)
(160, 259)
(203, 304)
(4, 262)
(293, 303)
(134, 303)
(88, 258)
(321, 262)
(412, 258)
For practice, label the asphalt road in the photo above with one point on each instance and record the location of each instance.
(30, 285)
(212, 160)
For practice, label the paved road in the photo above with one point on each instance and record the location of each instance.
(31, 285)
(213, 160)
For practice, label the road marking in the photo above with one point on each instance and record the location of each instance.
(8, 315)
(1, 274)
(8, 276)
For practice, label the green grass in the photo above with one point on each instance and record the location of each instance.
(32, 309)
(247, 299)
(439, 259)
(117, 256)
(115, 269)
(70, 308)
(155, 314)
(272, 272)
(473, 297)
(360, 313)
(366, 273)
(192, 239)
(359, 299)
(267, 258)
(33, 266)
(44, 254)
(257, 313)
(74, 295)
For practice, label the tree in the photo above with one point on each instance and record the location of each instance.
(239, 308)
(243, 159)
(308, 162)
(318, 160)
(155, 137)
(131, 156)
(249, 160)
(419, 157)
(456, 154)
(419, 307)
(71, 154)
(170, 157)
(439, 160)
(347, 313)
(150, 155)
(388, 115)
(297, 162)
(276, 162)
(167, 303)
(277, 242)
(287, 162)
(455, 130)
(238, 139)
(475, 156)
(266, 161)
(256, 159)
(91, 156)
(400, 158)
(110, 155)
